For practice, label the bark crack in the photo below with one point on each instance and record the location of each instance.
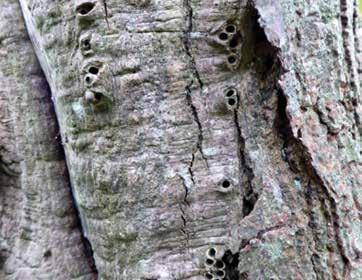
(106, 12)
(184, 203)
(196, 75)
(249, 196)
(200, 139)
(187, 40)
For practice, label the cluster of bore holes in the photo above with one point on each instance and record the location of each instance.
(231, 98)
(232, 39)
(215, 268)
(85, 8)
(91, 96)
(92, 75)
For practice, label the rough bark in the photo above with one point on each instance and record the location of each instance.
(202, 138)
(40, 237)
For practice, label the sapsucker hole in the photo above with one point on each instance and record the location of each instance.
(209, 261)
(223, 36)
(230, 28)
(232, 59)
(86, 45)
(47, 254)
(88, 80)
(231, 102)
(230, 93)
(226, 184)
(220, 273)
(208, 275)
(85, 8)
(212, 252)
(93, 70)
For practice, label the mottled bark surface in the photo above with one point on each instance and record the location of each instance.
(40, 235)
(203, 140)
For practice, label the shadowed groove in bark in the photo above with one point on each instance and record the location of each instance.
(249, 196)
(231, 265)
(87, 245)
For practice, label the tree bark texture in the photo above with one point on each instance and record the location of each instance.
(197, 139)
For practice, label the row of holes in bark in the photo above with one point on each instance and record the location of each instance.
(215, 268)
(231, 98)
(91, 96)
(83, 11)
(230, 37)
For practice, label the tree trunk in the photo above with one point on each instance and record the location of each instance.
(197, 139)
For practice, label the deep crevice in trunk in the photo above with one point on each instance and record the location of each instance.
(86, 243)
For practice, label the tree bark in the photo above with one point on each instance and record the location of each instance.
(197, 139)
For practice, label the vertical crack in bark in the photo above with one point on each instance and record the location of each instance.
(106, 12)
(249, 196)
(187, 40)
(199, 126)
(184, 203)
(196, 74)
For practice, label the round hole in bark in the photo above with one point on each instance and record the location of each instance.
(85, 8)
(208, 275)
(223, 36)
(86, 45)
(212, 252)
(93, 70)
(232, 59)
(47, 254)
(231, 102)
(209, 262)
(88, 79)
(226, 184)
(220, 273)
(230, 28)
(230, 93)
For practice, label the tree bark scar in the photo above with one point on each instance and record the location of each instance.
(106, 12)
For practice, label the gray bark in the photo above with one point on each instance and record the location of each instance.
(198, 138)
